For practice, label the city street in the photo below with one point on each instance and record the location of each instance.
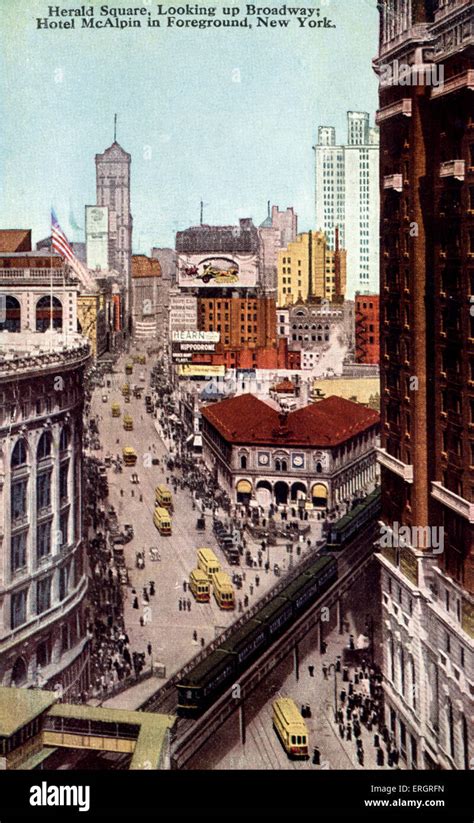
(168, 629)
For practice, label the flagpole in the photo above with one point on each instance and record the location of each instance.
(51, 289)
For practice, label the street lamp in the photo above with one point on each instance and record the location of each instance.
(334, 666)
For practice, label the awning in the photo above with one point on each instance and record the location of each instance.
(244, 487)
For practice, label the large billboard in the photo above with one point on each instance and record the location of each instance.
(218, 271)
(97, 237)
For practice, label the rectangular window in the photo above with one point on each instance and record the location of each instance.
(63, 480)
(18, 500)
(43, 653)
(43, 490)
(18, 609)
(63, 582)
(64, 528)
(43, 595)
(18, 551)
(43, 539)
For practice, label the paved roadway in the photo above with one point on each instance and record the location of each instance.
(170, 631)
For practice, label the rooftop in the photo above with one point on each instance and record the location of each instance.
(246, 419)
(15, 240)
(143, 266)
(211, 239)
(27, 351)
(20, 706)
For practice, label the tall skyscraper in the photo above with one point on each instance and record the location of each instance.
(427, 375)
(347, 196)
(113, 191)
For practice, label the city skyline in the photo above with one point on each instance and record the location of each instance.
(164, 123)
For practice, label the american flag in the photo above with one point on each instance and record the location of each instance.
(59, 241)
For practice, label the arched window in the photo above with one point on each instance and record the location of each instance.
(19, 454)
(243, 461)
(47, 308)
(44, 446)
(10, 313)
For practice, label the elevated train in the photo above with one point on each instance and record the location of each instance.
(203, 684)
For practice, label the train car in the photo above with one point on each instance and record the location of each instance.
(325, 568)
(246, 641)
(348, 526)
(205, 682)
(302, 591)
(276, 615)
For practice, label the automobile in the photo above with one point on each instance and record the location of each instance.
(104, 398)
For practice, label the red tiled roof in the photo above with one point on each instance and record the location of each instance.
(12, 240)
(247, 420)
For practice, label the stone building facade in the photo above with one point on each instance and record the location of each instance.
(43, 580)
(427, 356)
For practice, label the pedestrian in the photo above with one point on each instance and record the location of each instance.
(180, 605)
(338, 663)
(349, 732)
(380, 757)
(152, 588)
(343, 695)
(189, 604)
(325, 671)
(184, 585)
(203, 642)
(311, 671)
(141, 498)
(360, 756)
(351, 642)
(316, 756)
(142, 622)
(345, 674)
(376, 741)
(135, 602)
(195, 636)
(257, 580)
(251, 589)
(324, 646)
(132, 493)
(149, 649)
(341, 730)
(121, 492)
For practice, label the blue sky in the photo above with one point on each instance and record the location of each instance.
(193, 132)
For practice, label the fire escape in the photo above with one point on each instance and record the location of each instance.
(361, 338)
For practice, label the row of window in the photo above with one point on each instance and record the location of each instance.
(42, 593)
